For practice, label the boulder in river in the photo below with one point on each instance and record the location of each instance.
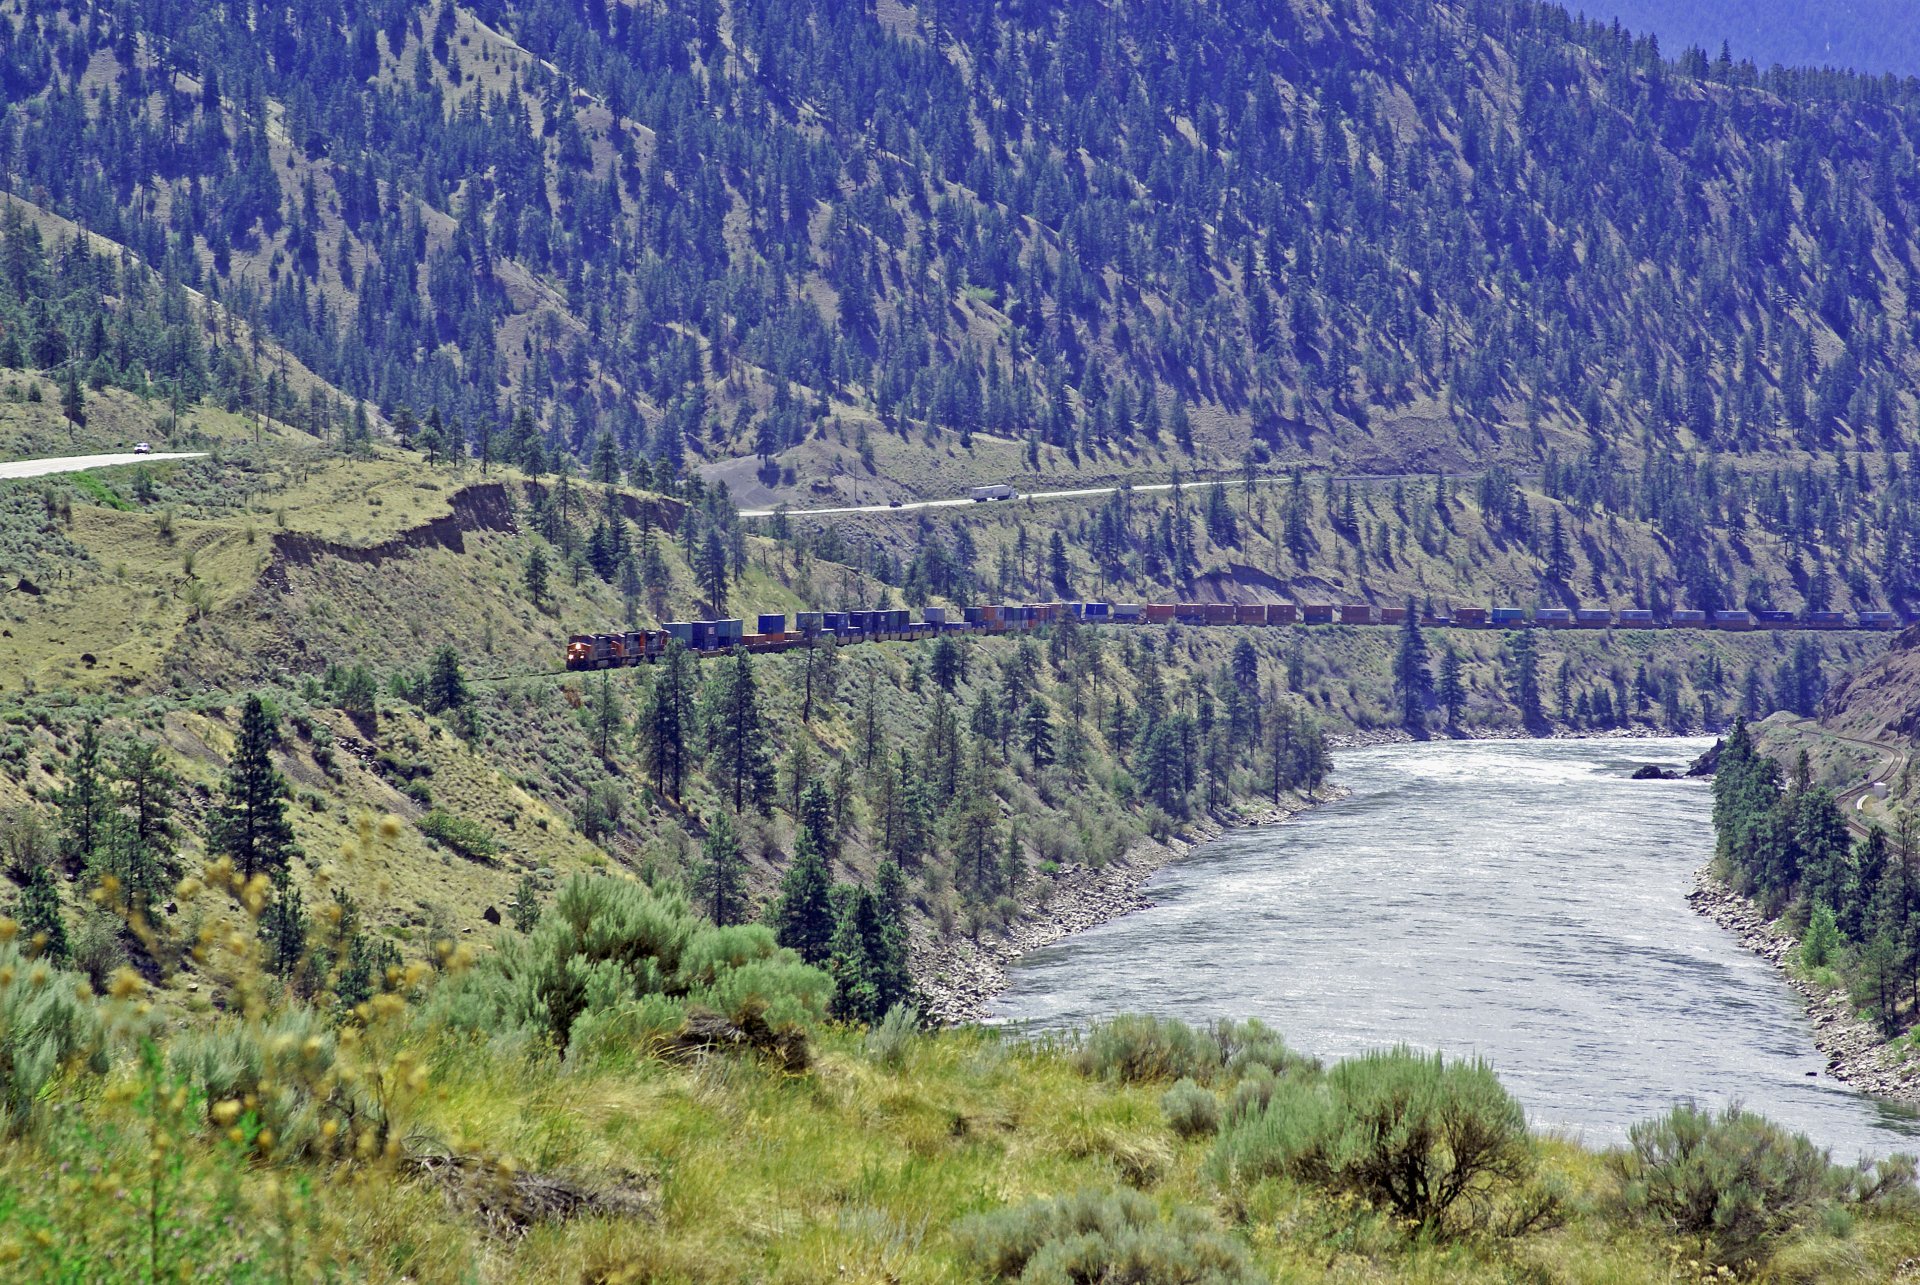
(1652, 772)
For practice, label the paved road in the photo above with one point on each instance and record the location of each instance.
(1081, 493)
(81, 463)
(907, 506)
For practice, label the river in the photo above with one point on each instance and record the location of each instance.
(1518, 900)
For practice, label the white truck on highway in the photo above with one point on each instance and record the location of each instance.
(998, 491)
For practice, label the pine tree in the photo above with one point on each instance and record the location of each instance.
(1038, 723)
(803, 919)
(538, 570)
(1523, 678)
(283, 926)
(73, 402)
(722, 883)
(737, 755)
(446, 687)
(1453, 688)
(250, 823)
(1412, 683)
(145, 833)
(667, 721)
(83, 801)
(857, 958)
(42, 923)
(525, 909)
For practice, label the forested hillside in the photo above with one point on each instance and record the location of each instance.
(1040, 236)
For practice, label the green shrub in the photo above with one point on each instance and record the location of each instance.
(283, 1065)
(1191, 1111)
(1140, 1048)
(1137, 1048)
(606, 943)
(1441, 1144)
(1739, 1184)
(463, 834)
(48, 1024)
(892, 1039)
(1101, 1236)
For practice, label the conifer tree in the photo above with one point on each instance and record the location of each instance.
(722, 883)
(84, 801)
(43, 925)
(1453, 689)
(1412, 683)
(803, 919)
(737, 754)
(250, 823)
(668, 719)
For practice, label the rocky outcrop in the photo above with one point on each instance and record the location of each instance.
(1858, 1055)
(958, 977)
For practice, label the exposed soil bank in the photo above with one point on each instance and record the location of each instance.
(1857, 1054)
(960, 976)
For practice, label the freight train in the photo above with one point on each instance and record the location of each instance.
(772, 632)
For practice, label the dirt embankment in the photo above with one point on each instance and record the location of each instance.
(487, 506)
(959, 977)
(1857, 1054)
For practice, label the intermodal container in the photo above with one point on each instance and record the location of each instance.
(1096, 611)
(773, 624)
(1636, 618)
(899, 618)
(1317, 613)
(1773, 617)
(1734, 620)
(1160, 613)
(934, 615)
(1593, 617)
(1509, 615)
(1045, 611)
(1219, 613)
(810, 622)
(1470, 617)
(1078, 610)
(1129, 613)
(1393, 615)
(681, 629)
(833, 621)
(1282, 613)
(1356, 613)
(1826, 620)
(1190, 613)
(1555, 617)
(1250, 613)
(1685, 619)
(730, 630)
(1879, 620)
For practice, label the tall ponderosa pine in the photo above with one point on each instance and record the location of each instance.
(43, 925)
(667, 721)
(1523, 678)
(1453, 687)
(250, 823)
(143, 839)
(737, 755)
(1412, 683)
(85, 800)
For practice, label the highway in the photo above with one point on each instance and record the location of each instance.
(16, 469)
(908, 506)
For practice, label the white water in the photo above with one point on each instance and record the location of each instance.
(1523, 901)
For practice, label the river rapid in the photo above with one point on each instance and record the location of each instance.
(1523, 901)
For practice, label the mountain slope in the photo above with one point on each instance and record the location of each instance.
(1387, 234)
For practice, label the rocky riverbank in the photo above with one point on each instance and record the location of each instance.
(960, 976)
(1857, 1054)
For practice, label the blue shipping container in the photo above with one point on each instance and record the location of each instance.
(772, 625)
